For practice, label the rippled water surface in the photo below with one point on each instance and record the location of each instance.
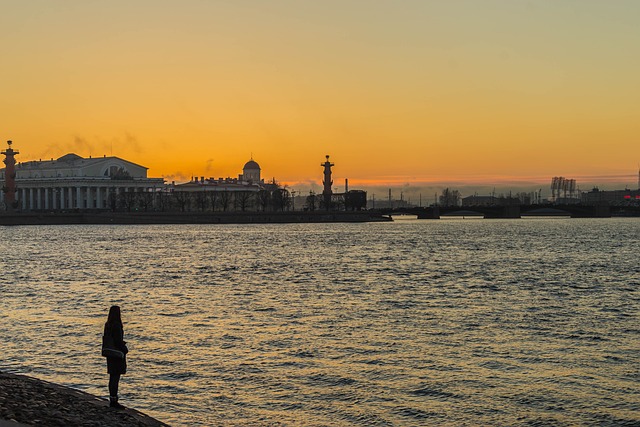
(450, 322)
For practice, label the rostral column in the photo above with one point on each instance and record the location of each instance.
(328, 182)
(9, 188)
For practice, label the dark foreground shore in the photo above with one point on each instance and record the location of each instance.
(33, 402)
(102, 217)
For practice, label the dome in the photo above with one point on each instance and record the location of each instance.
(251, 165)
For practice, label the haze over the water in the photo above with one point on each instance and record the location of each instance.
(413, 94)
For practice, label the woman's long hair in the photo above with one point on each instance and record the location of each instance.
(114, 317)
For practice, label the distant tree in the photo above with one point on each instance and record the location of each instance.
(243, 200)
(311, 202)
(145, 200)
(525, 198)
(449, 197)
(128, 200)
(325, 202)
(213, 199)
(201, 200)
(225, 200)
(162, 200)
(281, 199)
(121, 174)
(264, 199)
(182, 199)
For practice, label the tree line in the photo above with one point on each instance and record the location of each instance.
(273, 200)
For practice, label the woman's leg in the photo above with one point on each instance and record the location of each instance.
(114, 380)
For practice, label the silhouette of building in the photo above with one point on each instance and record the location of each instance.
(249, 180)
(476, 200)
(74, 182)
(614, 197)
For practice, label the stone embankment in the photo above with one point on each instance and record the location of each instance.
(26, 401)
(70, 218)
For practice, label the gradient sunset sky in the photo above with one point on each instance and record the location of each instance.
(413, 93)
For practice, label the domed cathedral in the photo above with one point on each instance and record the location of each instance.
(251, 172)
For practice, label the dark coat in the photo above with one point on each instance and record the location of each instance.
(116, 365)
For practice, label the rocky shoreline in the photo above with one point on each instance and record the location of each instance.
(26, 401)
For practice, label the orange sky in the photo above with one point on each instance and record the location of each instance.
(411, 93)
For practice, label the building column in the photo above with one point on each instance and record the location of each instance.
(53, 199)
(24, 198)
(38, 198)
(61, 207)
(98, 198)
(31, 198)
(117, 196)
(79, 197)
(46, 198)
(68, 199)
(88, 199)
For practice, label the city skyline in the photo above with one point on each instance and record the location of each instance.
(415, 96)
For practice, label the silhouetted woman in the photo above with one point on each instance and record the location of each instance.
(116, 366)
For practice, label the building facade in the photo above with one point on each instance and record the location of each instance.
(248, 181)
(613, 197)
(74, 182)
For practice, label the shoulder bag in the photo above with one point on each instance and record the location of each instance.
(109, 349)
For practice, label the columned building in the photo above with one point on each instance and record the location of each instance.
(74, 182)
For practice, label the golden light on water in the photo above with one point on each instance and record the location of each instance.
(487, 322)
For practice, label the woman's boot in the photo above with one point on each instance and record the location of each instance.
(113, 402)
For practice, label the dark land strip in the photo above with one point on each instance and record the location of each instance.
(32, 402)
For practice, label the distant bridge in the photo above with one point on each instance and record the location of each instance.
(510, 211)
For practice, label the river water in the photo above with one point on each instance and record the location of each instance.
(445, 322)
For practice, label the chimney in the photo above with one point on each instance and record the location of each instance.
(346, 185)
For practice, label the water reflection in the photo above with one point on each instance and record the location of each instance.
(494, 322)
